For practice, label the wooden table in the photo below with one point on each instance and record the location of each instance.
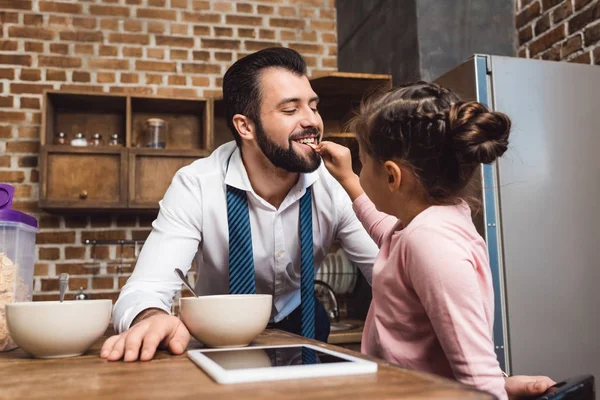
(89, 377)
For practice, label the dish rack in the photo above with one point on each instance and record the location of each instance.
(338, 272)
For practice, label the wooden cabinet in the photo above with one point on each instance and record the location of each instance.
(131, 176)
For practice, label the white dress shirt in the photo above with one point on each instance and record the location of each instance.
(192, 222)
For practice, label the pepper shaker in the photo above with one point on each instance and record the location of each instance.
(79, 140)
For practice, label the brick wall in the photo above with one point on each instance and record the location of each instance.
(165, 47)
(559, 30)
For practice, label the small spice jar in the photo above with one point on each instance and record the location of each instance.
(156, 133)
(79, 140)
(60, 138)
(96, 140)
(114, 140)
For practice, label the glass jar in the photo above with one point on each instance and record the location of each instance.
(156, 135)
(60, 138)
(114, 140)
(96, 140)
(79, 140)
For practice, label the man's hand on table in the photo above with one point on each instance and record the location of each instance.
(150, 329)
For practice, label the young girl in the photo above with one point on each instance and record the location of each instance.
(433, 301)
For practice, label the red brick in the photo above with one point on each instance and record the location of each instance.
(584, 18)
(312, 3)
(85, 49)
(223, 6)
(49, 221)
(59, 62)
(133, 52)
(12, 176)
(7, 73)
(221, 32)
(177, 80)
(306, 36)
(179, 3)
(264, 10)
(155, 66)
(81, 76)
(15, 5)
(27, 207)
(72, 269)
(105, 77)
(28, 161)
(123, 280)
(30, 75)
(178, 54)
(177, 92)
(103, 282)
(174, 41)
(287, 23)
(33, 19)
(104, 63)
(101, 221)
(156, 14)
(49, 284)
(547, 40)
(9, 17)
(255, 46)
(157, 3)
(288, 35)
(332, 38)
(23, 191)
(528, 14)
(8, 45)
(152, 79)
(129, 38)
(591, 34)
(579, 4)
(49, 253)
(140, 235)
(133, 2)
(75, 253)
(23, 147)
(5, 131)
(243, 20)
(58, 7)
(108, 51)
(78, 283)
(326, 13)
(30, 102)
(15, 59)
(582, 58)
(307, 48)
(30, 32)
(5, 161)
(34, 176)
(180, 29)
(83, 88)
(548, 4)
(48, 297)
(59, 20)
(323, 25)
(597, 55)
(56, 75)
(156, 27)
(29, 132)
(85, 23)
(221, 44)
(31, 88)
(542, 25)
(244, 8)
(109, 24)
(34, 47)
(201, 69)
(200, 30)
(59, 48)
(103, 235)
(287, 11)
(40, 269)
(132, 25)
(81, 36)
(201, 17)
(200, 5)
(109, 11)
(7, 101)
(219, 56)
(12, 116)
(100, 252)
(129, 78)
(58, 237)
(562, 12)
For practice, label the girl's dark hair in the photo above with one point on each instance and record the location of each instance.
(426, 128)
(241, 83)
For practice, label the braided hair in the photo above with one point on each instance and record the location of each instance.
(429, 130)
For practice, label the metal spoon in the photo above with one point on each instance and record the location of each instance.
(63, 283)
(181, 276)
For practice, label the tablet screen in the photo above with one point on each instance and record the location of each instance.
(271, 357)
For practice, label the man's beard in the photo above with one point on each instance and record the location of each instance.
(288, 159)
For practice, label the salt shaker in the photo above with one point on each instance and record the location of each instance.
(96, 140)
(60, 138)
(114, 140)
(79, 140)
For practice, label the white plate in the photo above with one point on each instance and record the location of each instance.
(265, 363)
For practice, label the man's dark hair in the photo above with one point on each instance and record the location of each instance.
(241, 83)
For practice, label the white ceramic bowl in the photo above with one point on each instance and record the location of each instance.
(51, 329)
(231, 320)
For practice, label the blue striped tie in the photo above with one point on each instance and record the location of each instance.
(241, 259)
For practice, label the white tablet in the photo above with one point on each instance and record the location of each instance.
(266, 363)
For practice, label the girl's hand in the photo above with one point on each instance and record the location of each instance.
(338, 161)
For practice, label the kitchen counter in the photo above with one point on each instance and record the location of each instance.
(176, 377)
(349, 335)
